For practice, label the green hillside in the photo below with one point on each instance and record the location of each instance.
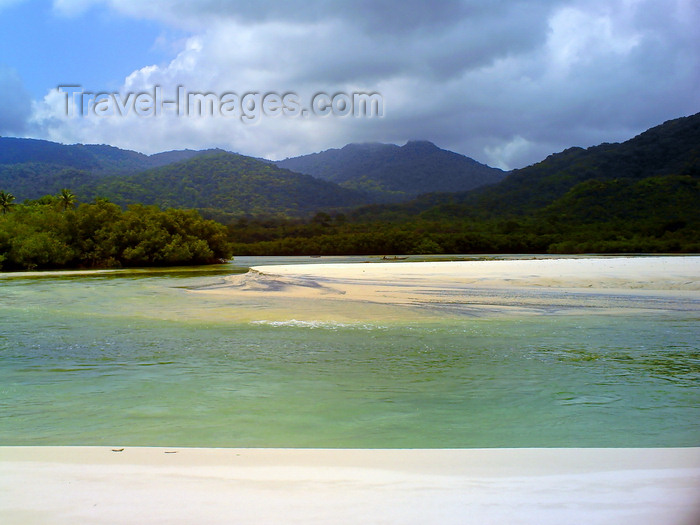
(15, 151)
(32, 168)
(672, 148)
(392, 173)
(225, 185)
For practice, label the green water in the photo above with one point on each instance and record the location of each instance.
(138, 358)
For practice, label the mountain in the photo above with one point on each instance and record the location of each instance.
(31, 168)
(170, 157)
(667, 200)
(14, 151)
(670, 149)
(653, 175)
(219, 183)
(225, 185)
(639, 196)
(395, 173)
(91, 157)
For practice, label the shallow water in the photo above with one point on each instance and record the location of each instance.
(139, 358)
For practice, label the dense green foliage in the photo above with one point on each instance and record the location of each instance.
(51, 233)
(392, 173)
(31, 168)
(33, 180)
(87, 157)
(542, 233)
(638, 196)
(227, 185)
(606, 215)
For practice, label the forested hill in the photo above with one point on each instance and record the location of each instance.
(394, 173)
(90, 157)
(31, 168)
(670, 149)
(648, 186)
(232, 185)
(639, 196)
(226, 185)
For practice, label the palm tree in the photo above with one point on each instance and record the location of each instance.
(66, 199)
(6, 203)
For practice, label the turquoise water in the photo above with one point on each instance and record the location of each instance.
(137, 358)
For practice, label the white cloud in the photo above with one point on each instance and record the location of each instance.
(503, 155)
(578, 38)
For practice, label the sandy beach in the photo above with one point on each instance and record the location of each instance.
(96, 485)
(528, 285)
(618, 273)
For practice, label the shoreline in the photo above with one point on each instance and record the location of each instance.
(62, 485)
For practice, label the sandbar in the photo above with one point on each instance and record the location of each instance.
(530, 285)
(646, 273)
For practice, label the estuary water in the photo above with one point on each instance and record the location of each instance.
(142, 358)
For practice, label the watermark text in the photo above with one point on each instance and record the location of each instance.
(250, 107)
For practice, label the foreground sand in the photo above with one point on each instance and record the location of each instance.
(91, 485)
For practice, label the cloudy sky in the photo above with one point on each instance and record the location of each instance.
(506, 82)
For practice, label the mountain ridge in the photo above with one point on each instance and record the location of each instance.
(99, 157)
(670, 148)
(392, 172)
(225, 185)
(31, 168)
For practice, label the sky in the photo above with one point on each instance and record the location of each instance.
(506, 82)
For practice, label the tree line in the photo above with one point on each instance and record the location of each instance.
(625, 215)
(543, 233)
(54, 232)
(652, 215)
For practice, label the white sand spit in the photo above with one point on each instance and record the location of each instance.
(493, 287)
(648, 273)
